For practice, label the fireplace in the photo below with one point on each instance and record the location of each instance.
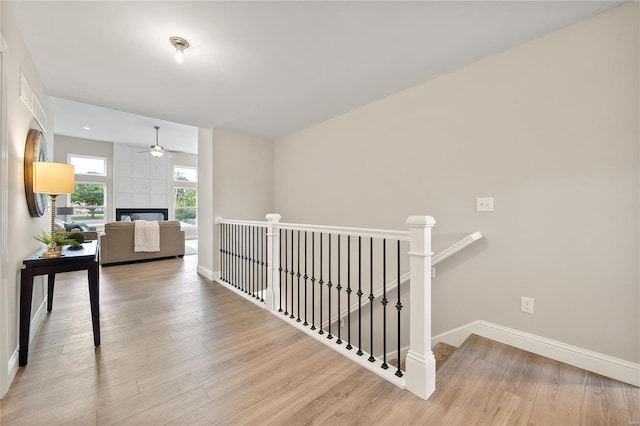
(132, 214)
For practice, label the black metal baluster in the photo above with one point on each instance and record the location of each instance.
(252, 261)
(384, 304)
(240, 256)
(305, 323)
(261, 252)
(221, 245)
(254, 246)
(240, 262)
(399, 308)
(292, 274)
(280, 281)
(233, 255)
(320, 282)
(349, 292)
(226, 251)
(313, 280)
(229, 254)
(359, 294)
(254, 282)
(286, 273)
(339, 287)
(298, 274)
(371, 298)
(247, 262)
(329, 336)
(266, 260)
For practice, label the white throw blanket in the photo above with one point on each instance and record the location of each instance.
(146, 236)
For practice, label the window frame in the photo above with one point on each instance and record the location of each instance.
(103, 159)
(176, 166)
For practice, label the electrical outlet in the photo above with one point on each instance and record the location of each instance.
(526, 305)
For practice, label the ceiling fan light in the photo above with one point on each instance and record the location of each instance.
(156, 150)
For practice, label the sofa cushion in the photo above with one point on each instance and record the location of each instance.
(75, 225)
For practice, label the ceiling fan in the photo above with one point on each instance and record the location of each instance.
(156, 150)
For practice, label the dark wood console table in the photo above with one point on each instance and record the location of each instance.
(73, 260)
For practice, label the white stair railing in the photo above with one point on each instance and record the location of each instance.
(283, 267)
(435, 259)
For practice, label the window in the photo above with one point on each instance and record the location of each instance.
(84, 165)
(186, 205)
(88, 203)
(185, 174)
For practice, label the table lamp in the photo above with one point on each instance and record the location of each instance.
(53, 179)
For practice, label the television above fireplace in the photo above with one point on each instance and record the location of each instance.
(132, 214)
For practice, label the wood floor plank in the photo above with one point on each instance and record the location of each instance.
(178, 349)
(172, 409)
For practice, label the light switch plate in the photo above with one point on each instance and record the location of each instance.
(484, 204)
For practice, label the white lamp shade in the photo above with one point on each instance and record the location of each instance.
(53, 178)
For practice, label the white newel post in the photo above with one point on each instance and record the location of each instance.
(273, 258)
(420, 364)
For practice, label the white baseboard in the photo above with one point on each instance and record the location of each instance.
(12, 368)
(615, 368)
(36, 323)
(207, 273)
(38, 319)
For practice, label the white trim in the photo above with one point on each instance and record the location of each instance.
(36, 323)
(456, 247)
(342, 230)
(207, 273)
(615, 368)
(12, 365)
(38, 319)
(363, 361)
(457, 336)
(7, 370)
(239, 292)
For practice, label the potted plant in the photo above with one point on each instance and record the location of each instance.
(77, 237)
(59, 240)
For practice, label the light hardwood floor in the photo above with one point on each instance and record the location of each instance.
(177, 349)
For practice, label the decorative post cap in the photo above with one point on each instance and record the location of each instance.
(273, 217)
(420, 221)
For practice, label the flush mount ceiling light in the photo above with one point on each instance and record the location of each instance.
(180, 44)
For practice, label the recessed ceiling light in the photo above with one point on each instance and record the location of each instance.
(86, 128)
(180, 44)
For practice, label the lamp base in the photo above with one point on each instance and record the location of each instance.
(51, 253)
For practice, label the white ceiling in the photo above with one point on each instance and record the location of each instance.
(263, 68)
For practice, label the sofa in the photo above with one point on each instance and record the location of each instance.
(117, 244)
(89, 232)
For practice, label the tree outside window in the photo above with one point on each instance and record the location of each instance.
(88, 201)
(186, 205)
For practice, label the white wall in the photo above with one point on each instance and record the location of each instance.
(205, 203)
(21, 227)
(242, 179)
(550, 129)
